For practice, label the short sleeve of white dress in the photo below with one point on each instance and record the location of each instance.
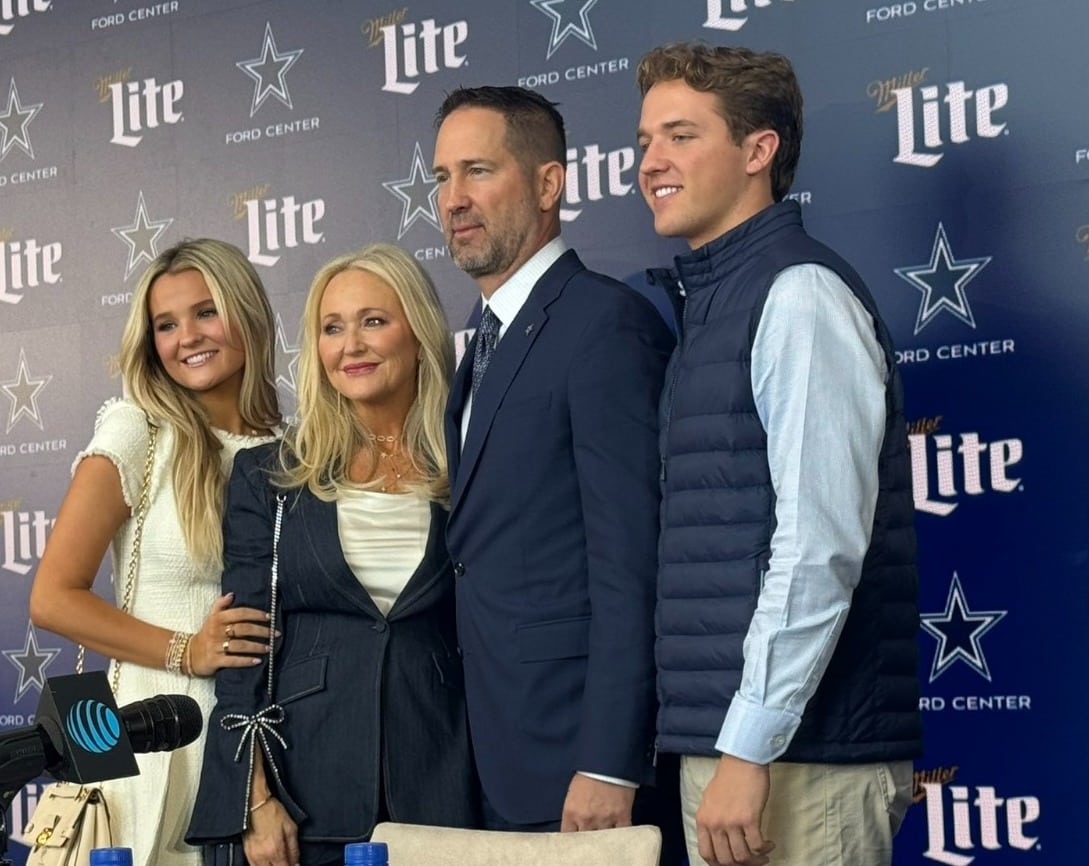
(121, 435)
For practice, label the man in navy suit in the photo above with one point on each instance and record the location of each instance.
(552, 437)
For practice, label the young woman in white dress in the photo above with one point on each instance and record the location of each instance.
(197, 363)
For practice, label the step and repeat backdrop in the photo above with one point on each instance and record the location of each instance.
(946, 154)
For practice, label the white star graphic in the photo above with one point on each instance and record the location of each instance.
(958, 630)
(419, 200)
(23, 392)
(31, 661)
(268, 71)
(580, 29)
(942, 281)
(287, 381)
(13, 132)
(141, 236)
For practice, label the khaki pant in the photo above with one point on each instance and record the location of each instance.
(817, 814)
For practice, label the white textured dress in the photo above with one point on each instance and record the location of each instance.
(150, 812)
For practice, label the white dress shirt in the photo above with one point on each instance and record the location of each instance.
(818, 379)
(507, 302)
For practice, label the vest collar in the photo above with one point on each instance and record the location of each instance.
(715, 260)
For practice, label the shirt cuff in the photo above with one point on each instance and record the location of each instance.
(755, 733)
(624, 783)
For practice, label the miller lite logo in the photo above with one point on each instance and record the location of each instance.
(142, 105)
(730, 14)
(24, 534)
(944, 467)
(276, 224)
(412, 50)
(12, 9)
(938, 116)
(593, 174)
(26, 264)
(968, 820)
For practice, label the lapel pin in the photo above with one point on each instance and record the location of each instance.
(529, 329)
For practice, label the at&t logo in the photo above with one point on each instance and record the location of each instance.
(735, 20)
(93, 726)
(593, 174)
(276, 224)
(26, 264)
(403, 45)
(142, 105)
(962, 465)
(967, 819)
(944, 119)
(12, 9)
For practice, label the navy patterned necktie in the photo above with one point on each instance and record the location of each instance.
(487, 336)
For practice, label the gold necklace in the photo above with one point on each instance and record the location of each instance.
(389, 462)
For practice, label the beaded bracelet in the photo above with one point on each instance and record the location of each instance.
(175, 651)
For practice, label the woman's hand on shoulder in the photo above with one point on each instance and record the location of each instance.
(272, 837)
(231, 637)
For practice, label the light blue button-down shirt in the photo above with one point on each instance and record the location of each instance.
(818, 378)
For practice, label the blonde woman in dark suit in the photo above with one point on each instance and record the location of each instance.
(368, 689)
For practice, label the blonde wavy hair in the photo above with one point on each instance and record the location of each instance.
(319, 453)
(241, 303)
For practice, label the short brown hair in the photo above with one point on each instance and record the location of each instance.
(754, 91)
(535, 133)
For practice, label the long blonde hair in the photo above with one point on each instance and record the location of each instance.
(330, 434)
(241, 303)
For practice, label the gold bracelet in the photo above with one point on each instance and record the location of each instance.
(259, 805)
(187, 658)
(175, 651)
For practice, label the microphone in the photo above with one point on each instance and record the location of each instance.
(162, 723)
(81, 736)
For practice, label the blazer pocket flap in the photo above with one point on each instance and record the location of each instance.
(555, 639)
(301, 679)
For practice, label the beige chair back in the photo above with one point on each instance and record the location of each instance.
(417, 845)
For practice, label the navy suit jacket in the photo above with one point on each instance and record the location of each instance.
(553, 531)
(368, 699)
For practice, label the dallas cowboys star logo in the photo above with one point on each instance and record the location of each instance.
(579, 28)
(268, 71)
(287, 382)
(141, 236)
(31, 662)
(23, 392)
(14, 122)
(942, 282)
(959, 630)
(417, 193)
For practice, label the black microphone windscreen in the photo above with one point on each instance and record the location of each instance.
(162, 723)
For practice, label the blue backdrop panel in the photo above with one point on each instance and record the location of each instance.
(946, 155)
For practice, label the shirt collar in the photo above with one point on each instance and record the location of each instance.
(507, 301)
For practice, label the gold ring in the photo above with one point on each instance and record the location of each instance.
(229, 631)
(226, 645)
